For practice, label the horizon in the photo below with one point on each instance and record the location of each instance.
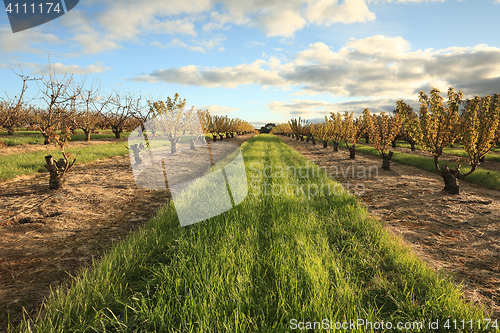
(267, 64)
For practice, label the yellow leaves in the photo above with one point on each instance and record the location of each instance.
(438, 126)
(335, 123)
(282, 129)
(300, 126)
(382, 129)
(350, 130)
(480, 121)
(321, 131)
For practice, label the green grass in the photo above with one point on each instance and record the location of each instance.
(271, 259)
(38, 139)
(487, 178)
(457, 151)
(15, 165)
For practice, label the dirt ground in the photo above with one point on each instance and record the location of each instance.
(46, 235)
(456, 234)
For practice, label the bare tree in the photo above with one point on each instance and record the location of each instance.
(58, 94)
(85, 114)
(13, 111)
(116, 111)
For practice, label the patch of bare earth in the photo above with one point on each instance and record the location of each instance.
(457, 234)
(46, 235)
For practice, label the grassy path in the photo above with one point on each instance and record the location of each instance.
(271, 263)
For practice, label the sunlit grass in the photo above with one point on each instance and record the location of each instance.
(271, 259)
(484, 177)
(15, 165)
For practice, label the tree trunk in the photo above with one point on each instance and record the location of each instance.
(335, 146)
(137, 153)
(232, 134)
(202, 139)
(313, 140)
(56, 171)
(46, 140)
(482, 159)
(173, 147)
(221, 136)
(450, 181)
(412, 145)
(394, 144)
(117, 132)
(228, 135)
(296, 137)
(325, 144)
(352, 152)
(191, 144)
(386, 160)
(10, 130)
(301, 138)
(215, 137)
(367, 139)
(87, 135)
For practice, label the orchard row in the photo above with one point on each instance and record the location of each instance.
(472, 122)
(67, 104)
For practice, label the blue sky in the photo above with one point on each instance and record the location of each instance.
(267, 61)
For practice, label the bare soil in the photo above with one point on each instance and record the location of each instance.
(47, 236)
(455, 234)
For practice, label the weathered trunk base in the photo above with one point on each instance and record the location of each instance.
(451, 183)
(352, 152)
(325, 144)
(136, 149)
(335, 146)
(191, 144)
(386, 160)
(56, 171)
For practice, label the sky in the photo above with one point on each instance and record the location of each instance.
(266, 60)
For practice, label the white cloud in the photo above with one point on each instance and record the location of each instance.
(229, 77)
(217, 109)
(377, 66)
(202, 46)
(284, 17)
(62, 69)
(312, 109)
(109, 23)
(330, 11)
(29, 41)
